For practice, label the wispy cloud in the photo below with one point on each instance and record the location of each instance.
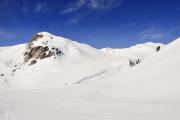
(75, 6)
(81, 8)
(27, 8)
(6, 34)
(151, 33)
(91, 5)
(40, 6)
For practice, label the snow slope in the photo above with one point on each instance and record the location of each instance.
(138, 51)
(94, 84)
(76, 63)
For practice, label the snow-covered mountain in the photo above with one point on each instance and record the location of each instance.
(47, 56)
(55, 78)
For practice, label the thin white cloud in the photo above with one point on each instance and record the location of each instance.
(91, 5)
(40, 6)
(74, 6)
(5, 34)
(74, 20)
(151, 33)
(81, 8)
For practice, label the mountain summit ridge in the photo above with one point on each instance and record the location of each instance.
(47, 52)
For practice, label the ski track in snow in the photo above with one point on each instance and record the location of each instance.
(91, 76)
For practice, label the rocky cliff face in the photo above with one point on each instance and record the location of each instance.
(36, 52)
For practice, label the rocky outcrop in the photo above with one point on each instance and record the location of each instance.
(41, 51)
(1, 74)
(158, 48)
(133, 62)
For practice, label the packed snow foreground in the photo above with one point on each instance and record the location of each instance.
(54, 78)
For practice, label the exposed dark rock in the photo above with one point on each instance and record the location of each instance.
(158, 48)
(1, 74)
(42, 55)
(59, 52)
(46, 48)
(39, 52)
(36, 37)
(45, 42)
(33, 62)
(133, 62)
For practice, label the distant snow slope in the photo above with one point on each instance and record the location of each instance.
(138, 51)
(85, 83)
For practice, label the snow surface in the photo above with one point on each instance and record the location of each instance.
(90, 84)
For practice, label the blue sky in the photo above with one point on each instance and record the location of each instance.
(100, 23)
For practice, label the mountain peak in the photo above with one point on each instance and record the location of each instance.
(39, 48)
(45, 45)
(44, 33)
